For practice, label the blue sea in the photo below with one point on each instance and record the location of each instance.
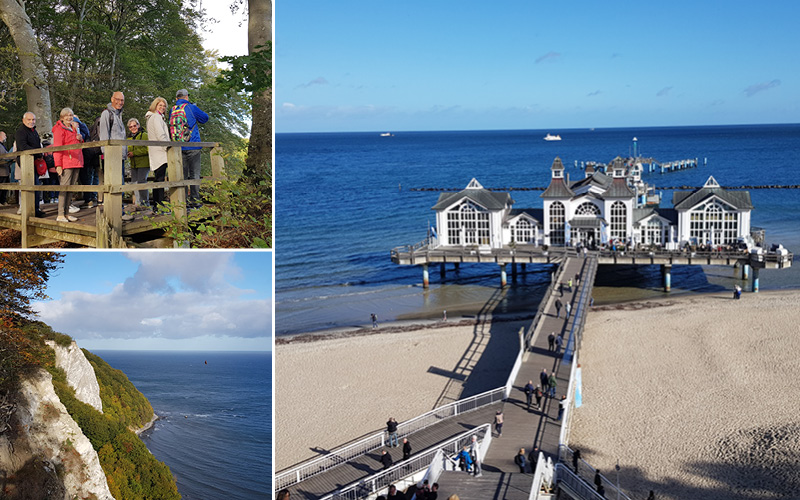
(215, 430)
(344, 200)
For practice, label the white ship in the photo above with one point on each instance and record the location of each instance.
(550, 137)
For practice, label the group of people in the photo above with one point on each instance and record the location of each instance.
(84, 166)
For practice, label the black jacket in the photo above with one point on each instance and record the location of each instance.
(28, 138)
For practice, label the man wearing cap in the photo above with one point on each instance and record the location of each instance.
(191, 154)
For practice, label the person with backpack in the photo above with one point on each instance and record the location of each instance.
(140, 163)
(183, 126)
(157, 130)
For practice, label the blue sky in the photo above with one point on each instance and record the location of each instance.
(446, 65)
(151, 300)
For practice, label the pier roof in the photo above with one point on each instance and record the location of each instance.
(557, 189)
(619, 189)
(684, 200)
(483, 197)
(669, 214)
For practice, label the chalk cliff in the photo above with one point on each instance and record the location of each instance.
(44, 449)
(80, 374)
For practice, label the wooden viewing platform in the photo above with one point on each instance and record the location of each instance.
(102, 227)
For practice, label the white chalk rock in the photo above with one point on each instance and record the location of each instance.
(80, 374)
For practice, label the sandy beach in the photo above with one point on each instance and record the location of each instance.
(696, 399)
(333, 388)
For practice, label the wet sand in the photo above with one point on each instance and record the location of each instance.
(337, 386)
(695, 396)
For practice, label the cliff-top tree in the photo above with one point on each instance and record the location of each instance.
(23, 278)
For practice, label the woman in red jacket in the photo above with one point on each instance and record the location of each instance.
(68, 163)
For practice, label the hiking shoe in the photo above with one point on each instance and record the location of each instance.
(91, 204)
(73, 209)
(61, 218)
(40, 213)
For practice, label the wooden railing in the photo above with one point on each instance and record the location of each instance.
(109, 221)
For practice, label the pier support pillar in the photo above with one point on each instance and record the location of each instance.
(503, 276)
(666, 270)
(457, 265)
(442, 271)
(755, 280)
(746, 272)
(425, 278)
(523, 267)
(514, 272)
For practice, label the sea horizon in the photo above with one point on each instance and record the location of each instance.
(345, 199)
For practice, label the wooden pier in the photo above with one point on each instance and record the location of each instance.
(102, 227)
(423, 255)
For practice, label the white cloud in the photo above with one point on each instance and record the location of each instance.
(170, 296)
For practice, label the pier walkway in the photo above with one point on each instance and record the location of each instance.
(522, 428)
(540, 428)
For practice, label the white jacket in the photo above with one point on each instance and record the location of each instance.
(156, 131)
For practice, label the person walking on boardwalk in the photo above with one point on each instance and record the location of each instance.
(652, 495)
(598, 481)
(551, 340)
(568, 308)
(498, 422)
(529, 393)
(538, 394)
(551, 383)
(386, 459)
(576, 458)
(559, 340)
(374, 318)
(464, 459)
(570, 285)
(562, 405)
(391, 428)
(543, 378)
(561, 288)
(577, 279)
(520, 460)
(394, 494)
(406, 449)
(474, 454)
(558, 308)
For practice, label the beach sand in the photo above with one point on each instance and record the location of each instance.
(696, 399)
(330, 389)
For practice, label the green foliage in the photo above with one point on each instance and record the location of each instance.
(47, 333)
(131, 470)
(236, 215)
(251, 73)
(121, 400)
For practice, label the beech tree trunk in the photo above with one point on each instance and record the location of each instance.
(259, 153)
(34, 76)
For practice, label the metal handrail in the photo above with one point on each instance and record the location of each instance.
(374, 441)
(417, 463)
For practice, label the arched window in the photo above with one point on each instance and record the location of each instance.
(467, 224)
(587, 210)
(652, 232)
(523, 231)
(557, 223)
(619, 221)
(713, 223)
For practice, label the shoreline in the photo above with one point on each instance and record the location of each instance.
(147, 426)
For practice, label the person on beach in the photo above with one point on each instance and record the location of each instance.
(551, 341)
(498, 422)
(529, 393)
(568, 308)
(538, 393)
(391, 428)
(520, 460)
(558, 308)
(562, 405)
(374, 318)
(543, 378)
(386, 460)
(552, 382)
(473, 453)
(559, 340)
(406, 449)
(444, 315)
(576, 458)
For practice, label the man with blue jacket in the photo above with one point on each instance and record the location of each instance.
(191, 154)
